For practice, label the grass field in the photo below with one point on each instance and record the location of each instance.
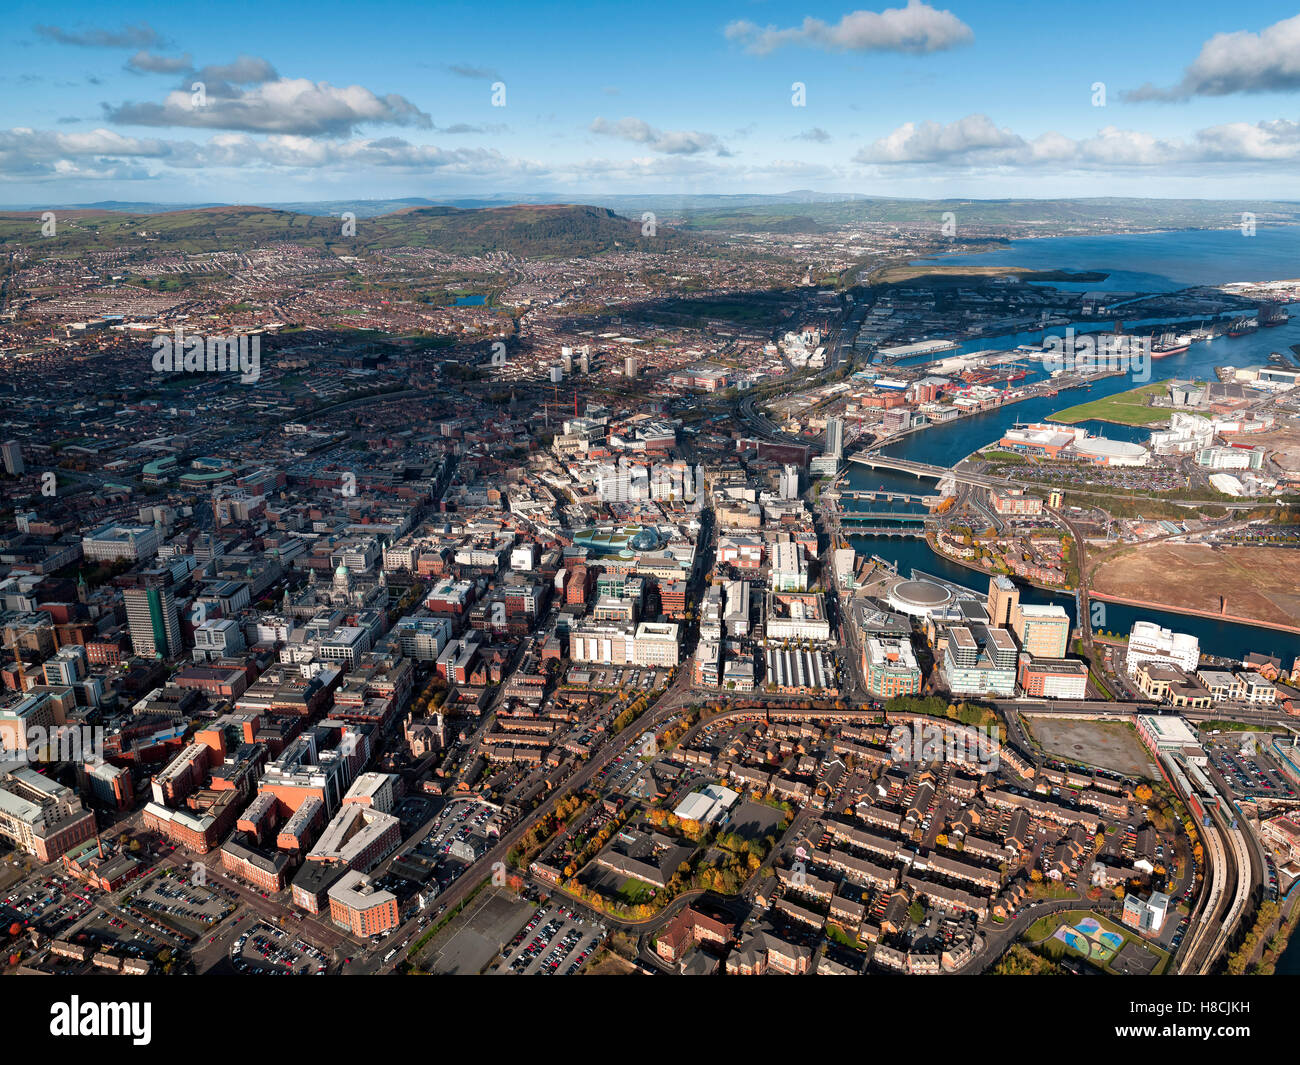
(1124, 408)
(634, 892)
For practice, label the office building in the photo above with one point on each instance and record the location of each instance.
(116, 543)
(835, 437)
(972, 669)
(422, 638)
(40, 816)
(1048, 678)
(12, 454)
(360, 907)
(153, 620)
(890, 667)
(1004, 597)
(1043, 630)
(789, 570)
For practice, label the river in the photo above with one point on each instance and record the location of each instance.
(1156, 262)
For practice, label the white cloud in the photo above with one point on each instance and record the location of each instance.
(917, 28)
(28, 153)
(931, 142)
(669, 142)
(285, 105)
(1240, 62)
(976, 142)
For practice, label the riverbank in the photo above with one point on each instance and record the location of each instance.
(1214, 615)
(932, 542)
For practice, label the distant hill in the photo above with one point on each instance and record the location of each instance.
(539, 230)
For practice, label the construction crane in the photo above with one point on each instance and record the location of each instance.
(546, 406)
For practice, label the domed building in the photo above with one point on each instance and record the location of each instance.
(920, 598)
(349, 589)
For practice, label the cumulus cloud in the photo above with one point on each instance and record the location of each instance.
(284, 105)
(140, 35)
(917, 28)
(668, 142)
(930, 142)
(975, 142)
(236, 149)
(27, 153)
(1240, 62)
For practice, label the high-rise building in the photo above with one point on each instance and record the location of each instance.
(1043, 631)
(207, 547)
(835, 437)
(154, 622)
(1003, 599)
(970, 669)
(12, 453)
(67, 667)
(789, 481)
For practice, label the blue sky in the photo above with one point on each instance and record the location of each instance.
(333, 100)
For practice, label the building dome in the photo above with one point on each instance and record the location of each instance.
(919, 598)
(645, 540)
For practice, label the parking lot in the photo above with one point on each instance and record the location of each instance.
(113, 933)
(181, 904)
(264, 950)
(554, 942)
(457, 838)
(627, 677)
(619, 774)
(53, 906)
(1248, 775)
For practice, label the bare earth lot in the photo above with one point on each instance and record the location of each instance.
(1261, 583)
(1283, 444)
(1108, 744)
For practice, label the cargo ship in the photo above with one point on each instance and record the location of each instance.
(993, 376)
(1169, 344)
(1271, 314)
(1241, 327)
